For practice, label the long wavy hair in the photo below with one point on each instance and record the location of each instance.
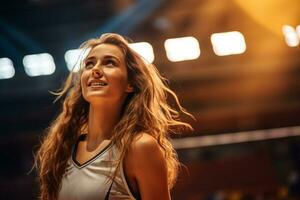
(146, 110)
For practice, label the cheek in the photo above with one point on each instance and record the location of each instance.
(117, 75)
(83, 81)
(84, 78)
(120, 80)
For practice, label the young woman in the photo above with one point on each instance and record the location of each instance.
(110, 140)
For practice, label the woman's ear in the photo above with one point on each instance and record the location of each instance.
(129, 88)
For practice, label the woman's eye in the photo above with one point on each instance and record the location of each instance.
(110, 63)
(89, 64)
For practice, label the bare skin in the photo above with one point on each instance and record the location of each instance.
(106, 64)
(146, 169)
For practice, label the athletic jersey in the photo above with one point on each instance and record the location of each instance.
(91, 180)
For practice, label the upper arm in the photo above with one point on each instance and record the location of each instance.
(148, 167)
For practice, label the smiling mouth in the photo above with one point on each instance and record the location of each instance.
(98, 84)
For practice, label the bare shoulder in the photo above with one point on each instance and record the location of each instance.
(144, 144)
(144, 151)
(146, 166)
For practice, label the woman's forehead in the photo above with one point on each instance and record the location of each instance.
(102, 50)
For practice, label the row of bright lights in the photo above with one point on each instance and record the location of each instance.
(177, 49)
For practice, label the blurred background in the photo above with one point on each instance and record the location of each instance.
(234, 64)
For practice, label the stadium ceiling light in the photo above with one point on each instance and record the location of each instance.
(39, 64)
(74, 58)
(180, 49)
(298, 31)
(7, 69)
(228, 43)
(144, 49)
(291, 36)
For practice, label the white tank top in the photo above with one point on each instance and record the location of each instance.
(90, 180)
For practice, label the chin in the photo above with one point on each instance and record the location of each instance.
(95, 97)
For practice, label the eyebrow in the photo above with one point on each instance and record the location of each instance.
(104, 57)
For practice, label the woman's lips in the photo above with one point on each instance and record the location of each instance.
(96, 83)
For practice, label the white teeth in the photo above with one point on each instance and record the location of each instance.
(98, 84)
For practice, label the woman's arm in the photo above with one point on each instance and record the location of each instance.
(146, 164)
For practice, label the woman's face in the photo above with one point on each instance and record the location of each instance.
(104, 77)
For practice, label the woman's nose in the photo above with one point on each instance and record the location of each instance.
(96, 73)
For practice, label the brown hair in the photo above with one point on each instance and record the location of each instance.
(146, 110)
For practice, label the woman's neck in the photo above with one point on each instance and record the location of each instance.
(101, 122)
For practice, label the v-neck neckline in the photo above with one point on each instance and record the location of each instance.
(81, 165)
